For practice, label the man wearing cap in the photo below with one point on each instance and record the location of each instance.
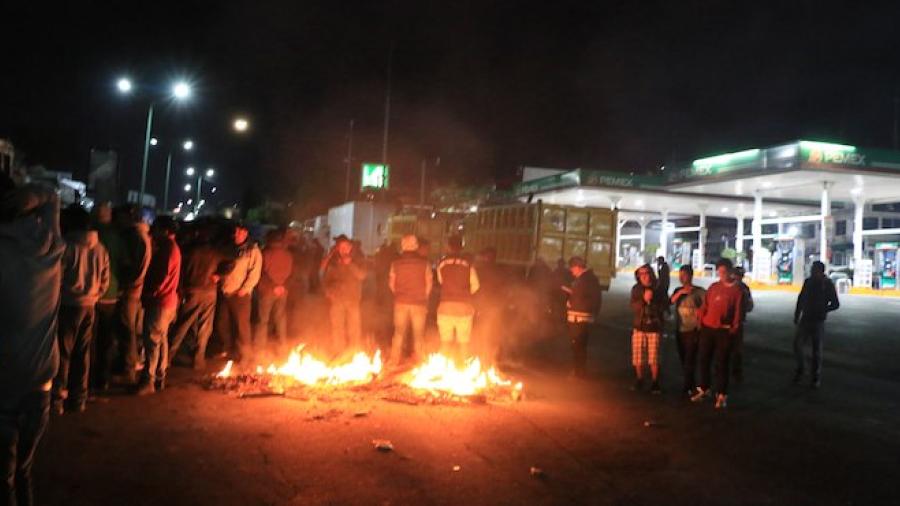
(410, 280)
(160, 301)
(455, 313)
(233, 317)
(342, 275)
(581, 310)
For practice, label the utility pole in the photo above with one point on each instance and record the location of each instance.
(349, 162)
(387, 106)
(896, 111)
(166, 190)
(437, 163)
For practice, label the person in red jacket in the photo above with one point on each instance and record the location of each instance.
(160, 301)
(277, 266)
(720, 319)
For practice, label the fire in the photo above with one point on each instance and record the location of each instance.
(304, 368)
(441, 375)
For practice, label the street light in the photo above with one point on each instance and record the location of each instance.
(187, 187)
(241, 125)
(180, 91)
(190, 171)
(124, 85)
(210, 172)
(154, 141)
(188, 145)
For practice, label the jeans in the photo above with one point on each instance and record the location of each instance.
(737, 354)
(271, 309)
(156, 342)
(578, 338)
(809, 331)
(233, 321)
(688, 344)
(129, 310)
(22, 423)
(715, 343)
(195, 316)
(345, 325)
(408, 316)
(106, 344)
(75, 332)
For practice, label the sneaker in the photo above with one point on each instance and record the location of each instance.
(638, 385)
(57, 408)
(721, 401)
(160, 384)
(655, 388)
(701, 395)
(145, 388)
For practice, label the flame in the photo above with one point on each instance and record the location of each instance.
(441, 375)
(308, 370)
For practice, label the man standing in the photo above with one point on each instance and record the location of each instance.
(160, 300)
(233, 317)
(342, 275)
(133, 266)
(720, 317)
(106, 340)
(455, 312)
(687, 301)
(30, 250)
(200, 273)
(410, 280)
(817, 298)
(277, 267)
(737, 356)
(582, 307)
(648, 304)
(85, 277)
(662, 268)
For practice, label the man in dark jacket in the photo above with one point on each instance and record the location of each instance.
(817, 298)
(106, 341)
(687, 300)
(133, 266)
(648, 304)
(455, 313)
(410, 280)
(30, 250)
(343, 273)
(201, 269)
(85, 277)
(160, 300)
(272, 291)
(581, 311)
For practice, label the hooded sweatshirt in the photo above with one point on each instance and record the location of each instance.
(30, 250)
(648, 317)
(135, 260)
(85, 269)
(247, 268)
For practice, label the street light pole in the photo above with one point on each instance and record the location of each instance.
(197, 202)
(168, 172)
(146, 155)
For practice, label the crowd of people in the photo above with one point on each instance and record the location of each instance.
(96, 299)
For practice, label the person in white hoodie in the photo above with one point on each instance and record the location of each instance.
(85, 277)
(233, 316)
(30, 251)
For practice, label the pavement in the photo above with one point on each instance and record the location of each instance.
(590, 442)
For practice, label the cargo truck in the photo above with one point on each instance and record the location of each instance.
(523, 233)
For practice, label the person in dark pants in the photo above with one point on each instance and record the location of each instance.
(31, 247)
(201, 269)
(160, 300)
(233, 315)
(133, 264)
(720, 317)
(687, 300)
(343, 273)
(817, 298)
(581, 311)
(648, 303)
(737, 355)
(664, 274)
(85, 277)
(106, 343)
(272, 291)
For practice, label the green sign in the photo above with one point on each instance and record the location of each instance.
(723, 163)
(830, 154)
(375, 176)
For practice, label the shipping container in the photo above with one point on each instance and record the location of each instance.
(523, 233)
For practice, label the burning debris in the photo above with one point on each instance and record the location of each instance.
(437, 380)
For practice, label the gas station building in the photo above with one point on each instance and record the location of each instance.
(803, 200)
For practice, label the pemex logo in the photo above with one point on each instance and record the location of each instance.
(815, 156)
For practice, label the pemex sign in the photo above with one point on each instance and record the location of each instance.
(375, 176)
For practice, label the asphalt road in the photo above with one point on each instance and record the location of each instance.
(777, 443)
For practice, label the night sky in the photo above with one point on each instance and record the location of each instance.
(486, 86)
